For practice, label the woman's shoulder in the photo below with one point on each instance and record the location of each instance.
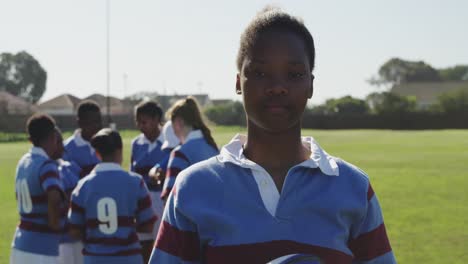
(352, 176)
(204, 176)
(199, 186)
(138, 140)
(350, 170)
(209, 170)
(194, 143)
(196, 147)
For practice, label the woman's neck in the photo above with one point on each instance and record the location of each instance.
(271, 148)
(186, 130)
(47, 149)
(152, 137)
(276, 152)
(115, 158)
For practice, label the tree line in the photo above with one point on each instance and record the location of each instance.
(23, 76)
(395, 71)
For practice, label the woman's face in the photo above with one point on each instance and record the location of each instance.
(59, 147)
(178, 126)
(148, 125)
(276, 81)
(90, 124)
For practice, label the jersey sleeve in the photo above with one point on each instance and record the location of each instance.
(369, 243)
(75, 168)
(165, 160)
(177, 162)
(77, 211)
(49, 177)
(178, 240)
(144, 213)
(66, 155)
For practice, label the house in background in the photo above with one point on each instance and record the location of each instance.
(67, 104)
(426, 93)
(166, 101)
(14, 105)
(117, 106)
(64, 104)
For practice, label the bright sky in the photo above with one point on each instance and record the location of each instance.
(190, 46)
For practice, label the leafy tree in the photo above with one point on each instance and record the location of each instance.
(231, 113)
(456, 73)
(388, 103)
(317, 109)
(396, 71)
(22, 75)
(455, 102)
(343, 106)
(347, 105)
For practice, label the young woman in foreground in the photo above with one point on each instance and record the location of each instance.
(273, 193)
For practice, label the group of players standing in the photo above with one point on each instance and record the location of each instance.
(78, 205)
(270, 195)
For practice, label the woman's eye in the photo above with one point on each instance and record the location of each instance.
(295, 75)
(259, 73)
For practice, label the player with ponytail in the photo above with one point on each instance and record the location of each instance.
(197, 143)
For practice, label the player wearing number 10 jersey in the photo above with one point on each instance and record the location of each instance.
(109, 206)
(39, 195)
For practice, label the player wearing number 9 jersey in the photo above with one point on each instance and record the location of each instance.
(109, 206)
(39, 195)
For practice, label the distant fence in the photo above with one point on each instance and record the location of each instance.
(414, 121)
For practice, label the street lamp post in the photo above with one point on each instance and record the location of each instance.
(109, 119)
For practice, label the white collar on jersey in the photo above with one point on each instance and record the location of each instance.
(39, 151)
(170, 140)
(194, 134)
(233, 152)
(143, 140)
(107, 166)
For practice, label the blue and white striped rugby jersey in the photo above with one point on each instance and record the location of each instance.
(69, 173)
(195, 149)
(35, 175)
(227, 210)
(145, 155)
(110, 205)
(81, 152)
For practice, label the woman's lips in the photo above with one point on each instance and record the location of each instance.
(276, 108)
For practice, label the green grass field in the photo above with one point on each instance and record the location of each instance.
(420, 177)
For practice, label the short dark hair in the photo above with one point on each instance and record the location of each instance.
(149, 108)
(39, 127)
(274, 18)
(106, 141)
(87, 106)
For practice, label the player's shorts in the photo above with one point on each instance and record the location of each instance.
(70, 253)
(158, 206)
(20, 257)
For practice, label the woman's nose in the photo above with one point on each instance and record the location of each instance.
(277, 86)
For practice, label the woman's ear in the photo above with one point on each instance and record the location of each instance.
(311, 89)
(238, 87)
